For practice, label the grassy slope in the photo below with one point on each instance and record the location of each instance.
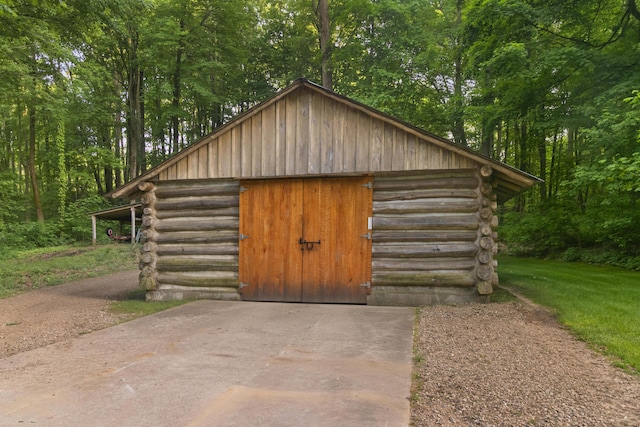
(601, 305)
(28, 270)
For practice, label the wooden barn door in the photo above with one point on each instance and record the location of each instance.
(305, 240)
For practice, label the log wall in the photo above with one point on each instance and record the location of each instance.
(190, 239)
(433, 238)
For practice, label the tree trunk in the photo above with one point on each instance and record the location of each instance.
(175, 119)
(459, 135)
(31, 164)
(325, 43)
(135, 139)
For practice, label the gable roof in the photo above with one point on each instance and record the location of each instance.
(306, 129)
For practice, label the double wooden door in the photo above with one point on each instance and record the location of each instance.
(305, 240)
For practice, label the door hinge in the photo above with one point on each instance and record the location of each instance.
(243, 236)
(243, 189)
(366, 236)
(368, 185)
(242, 285)
(365, 285)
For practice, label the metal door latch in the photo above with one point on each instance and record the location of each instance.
(243, 236)
(305, 244)
(365, 285)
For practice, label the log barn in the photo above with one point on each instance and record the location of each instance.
(313, 197)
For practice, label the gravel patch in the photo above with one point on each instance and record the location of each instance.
(511, 364)
(45, 316)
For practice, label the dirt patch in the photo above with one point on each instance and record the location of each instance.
(511, 364)
(45, 316)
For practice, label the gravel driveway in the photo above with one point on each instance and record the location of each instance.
(506, 364)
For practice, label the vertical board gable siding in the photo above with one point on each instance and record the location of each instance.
(307, 133)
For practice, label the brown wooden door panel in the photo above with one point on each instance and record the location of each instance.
(336, 212)
(275, 214)
(270, 258)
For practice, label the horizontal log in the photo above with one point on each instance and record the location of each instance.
(197, 224)
(432, 174)
(435, 278)
(188, 189)
(200, 278)
(426, 222)
(179, 213)
(425, 206)
(196, 203)
(486, 171)
(421, 264)
(421, 250)
(424, 236)
(198, 263)
(437, 193)
(191, 237)
(470, 182)
(197, 249)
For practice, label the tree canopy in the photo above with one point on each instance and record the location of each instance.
(95, 92)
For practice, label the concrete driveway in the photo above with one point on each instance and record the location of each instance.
(217, 363)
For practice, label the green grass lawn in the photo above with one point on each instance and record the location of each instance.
(600, 305)
(23, 271)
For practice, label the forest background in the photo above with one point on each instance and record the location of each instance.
(95, 92)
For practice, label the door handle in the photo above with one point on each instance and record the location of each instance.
(305, 244)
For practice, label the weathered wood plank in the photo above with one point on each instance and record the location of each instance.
(326, 136)
(247, 148)
(432, 193)
(268, 141)
(423, 279)
(363, 142)
(281, 138)
(194, 213)
(424, 236)
(210, 202)
(198, 263)
(236, 151)
(302, 134)
(377, 141)
(425, 221)
(350, 141)
(316, 105)
(291, 134)
(197, 237)
(422, 264)
(203, 160)
(167, 190)
(426, 206)
(196, 224)
(426, 183)
(223, 157)
(338, 138)
(202, 278)
(410, 155)
(197, 249)
(422, 250)
(399, 150)
(256, 145)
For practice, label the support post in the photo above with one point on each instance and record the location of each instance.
(93, 230)
(133, 225)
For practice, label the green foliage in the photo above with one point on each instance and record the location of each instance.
(134, 305)
(601, 305)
